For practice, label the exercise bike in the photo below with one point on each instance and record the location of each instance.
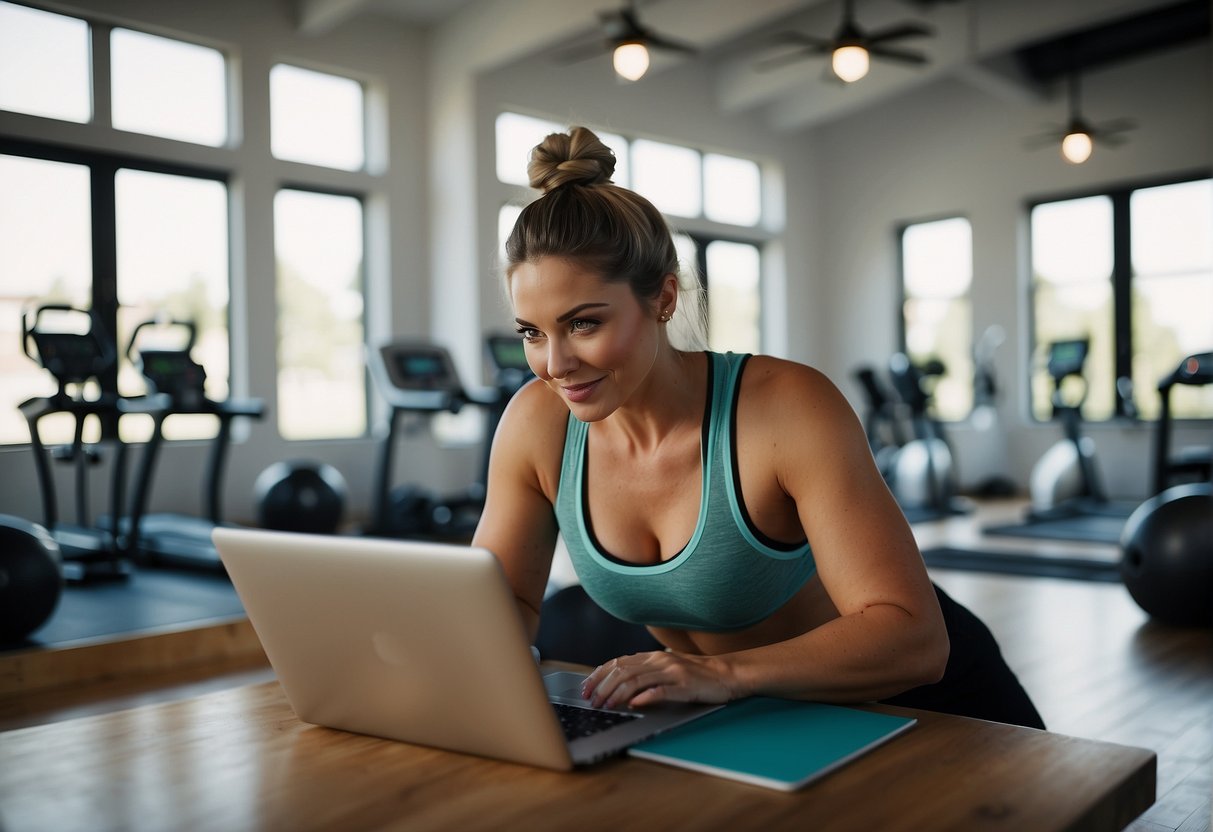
(170, 539)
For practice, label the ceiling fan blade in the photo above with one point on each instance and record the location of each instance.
(901, 30)
(1108, 139)
(1117, 125)
(660, 42)
(904, 55)
(777, 61)
(583, 52)
(801, 39)
(1042, 141)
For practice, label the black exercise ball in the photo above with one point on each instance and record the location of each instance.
(31, 577)
(1167, 555)
(300, 496)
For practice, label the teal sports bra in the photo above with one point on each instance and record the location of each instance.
(728, 577)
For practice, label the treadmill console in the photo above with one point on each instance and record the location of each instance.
(414, 375)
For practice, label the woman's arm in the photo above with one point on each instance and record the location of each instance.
(889, 635)
(518, 523)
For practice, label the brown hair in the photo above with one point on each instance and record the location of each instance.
(583, 216)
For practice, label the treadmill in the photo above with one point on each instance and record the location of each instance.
(69, 343)
(170, 539)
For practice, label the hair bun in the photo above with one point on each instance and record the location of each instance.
(574, 158)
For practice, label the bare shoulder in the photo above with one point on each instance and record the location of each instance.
(530, 436)
(780, 387)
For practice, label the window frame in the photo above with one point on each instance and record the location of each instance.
(1119, 194)
(103, 168)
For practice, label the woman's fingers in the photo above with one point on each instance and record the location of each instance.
(649, 678)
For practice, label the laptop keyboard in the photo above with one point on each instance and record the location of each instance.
(582, 722)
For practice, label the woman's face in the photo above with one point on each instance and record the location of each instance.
(590, 340)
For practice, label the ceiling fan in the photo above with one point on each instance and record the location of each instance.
(1079, 136)
(852, 48)
(629, 41)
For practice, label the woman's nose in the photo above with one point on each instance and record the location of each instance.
(561, 359)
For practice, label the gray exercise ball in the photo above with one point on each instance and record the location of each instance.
(1167, 555)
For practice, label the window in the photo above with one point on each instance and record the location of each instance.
(44, 64)
(169, 88)
(173, 263)
(167, 230)
(1172, 291)
(45, 257)
(937, 315)
(316, 118)
(732, 190)
(669, 176)
(730, 273)
(517, 135)
(733, 302)
(1132, 271)
(318, 240)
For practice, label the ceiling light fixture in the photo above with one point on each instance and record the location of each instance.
(852, 48)
(1078, 136)
(631, 60)
(629, 42)
(1076, 147)
(850, 62)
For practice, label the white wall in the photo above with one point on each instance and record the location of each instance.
(948, 149)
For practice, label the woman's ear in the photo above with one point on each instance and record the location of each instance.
(667, 298)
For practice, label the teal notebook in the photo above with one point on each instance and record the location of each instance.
(777, 743)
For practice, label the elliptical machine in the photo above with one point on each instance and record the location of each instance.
(76, 351)
(1065, 481)
(921, 476)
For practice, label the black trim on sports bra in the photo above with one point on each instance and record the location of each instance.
(763, 538)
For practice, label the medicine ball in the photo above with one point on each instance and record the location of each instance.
(300, 496)
(1167, 555)
(31, 577)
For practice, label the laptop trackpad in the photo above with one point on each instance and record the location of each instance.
(565, 686)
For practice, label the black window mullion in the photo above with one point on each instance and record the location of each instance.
(105, 272)
(1122, 296)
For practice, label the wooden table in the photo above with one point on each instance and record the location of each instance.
(239, 759)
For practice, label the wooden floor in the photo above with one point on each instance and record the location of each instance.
(1094, 663)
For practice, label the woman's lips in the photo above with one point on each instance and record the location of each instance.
(580, 392)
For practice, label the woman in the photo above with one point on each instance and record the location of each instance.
(729, 503)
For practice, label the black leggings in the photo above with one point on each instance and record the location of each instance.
(977, 681)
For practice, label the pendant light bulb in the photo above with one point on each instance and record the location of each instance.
(631, 60)
(850, 63)
(1076, 147)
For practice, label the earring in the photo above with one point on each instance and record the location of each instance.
(665, 316)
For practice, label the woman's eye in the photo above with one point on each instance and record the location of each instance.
(527, 333)
(582, 324)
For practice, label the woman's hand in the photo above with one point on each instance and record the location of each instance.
(648, 678)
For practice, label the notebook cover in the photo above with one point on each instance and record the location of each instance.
(776, 743)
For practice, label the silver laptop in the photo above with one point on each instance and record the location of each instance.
(420, 642)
